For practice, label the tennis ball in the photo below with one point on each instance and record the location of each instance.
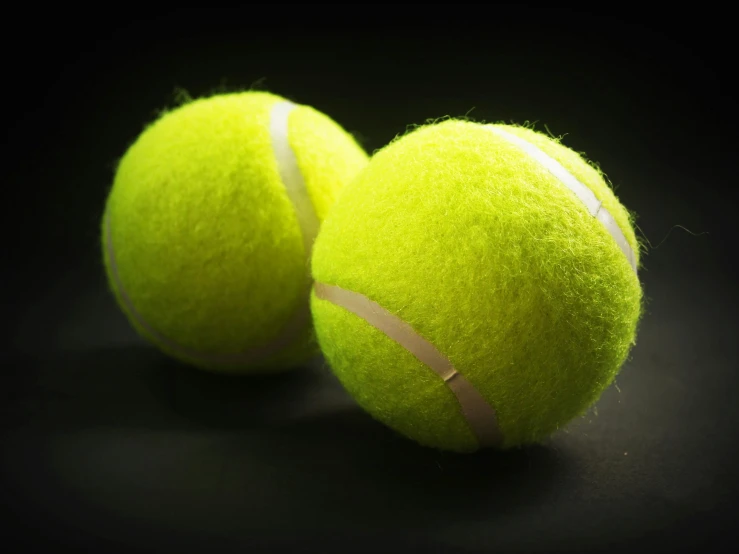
(476, 286)
(209, 226)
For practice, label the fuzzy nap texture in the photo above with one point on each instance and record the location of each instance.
(494, 261)
(203, 236)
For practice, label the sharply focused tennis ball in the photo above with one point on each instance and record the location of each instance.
(476, 286)
(210, 222)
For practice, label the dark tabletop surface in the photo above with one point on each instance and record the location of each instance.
(108, 444)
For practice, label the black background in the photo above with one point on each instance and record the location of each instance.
(110, 445)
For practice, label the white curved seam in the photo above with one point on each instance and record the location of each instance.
(582, 191)
(291, 176)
